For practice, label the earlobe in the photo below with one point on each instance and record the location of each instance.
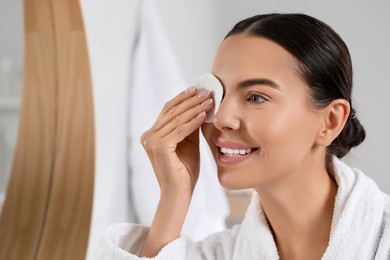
(335, 117)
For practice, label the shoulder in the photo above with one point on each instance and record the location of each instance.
(124, 241)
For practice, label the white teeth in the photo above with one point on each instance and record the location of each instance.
(233, 152)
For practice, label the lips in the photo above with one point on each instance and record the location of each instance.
(231, 152)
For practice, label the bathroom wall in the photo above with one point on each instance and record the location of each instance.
(11, 65)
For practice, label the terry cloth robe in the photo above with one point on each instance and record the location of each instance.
(360, 229)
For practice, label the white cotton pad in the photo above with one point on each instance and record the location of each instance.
(210, 82)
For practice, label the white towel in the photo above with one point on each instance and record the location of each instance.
(156, 78)
(360, 230)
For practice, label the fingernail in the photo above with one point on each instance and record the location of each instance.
(207, 102)
(201, 115)
(190, 89)
(203, 93)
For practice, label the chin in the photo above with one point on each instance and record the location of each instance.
(232, 180)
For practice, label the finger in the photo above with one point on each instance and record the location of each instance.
(178, 106)
(152, 136)
(181, 97)
(185, 117)
(193, 137)
(184, 130)
(173, 108)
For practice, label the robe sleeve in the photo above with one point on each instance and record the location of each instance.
(124, 241)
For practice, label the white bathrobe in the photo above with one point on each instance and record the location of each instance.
(360, 229)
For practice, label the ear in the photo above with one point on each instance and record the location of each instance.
(334, 118)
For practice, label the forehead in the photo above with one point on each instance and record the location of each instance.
(244, 56)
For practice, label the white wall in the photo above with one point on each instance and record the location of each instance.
(197, 27)
(11, 64)
(191, 26)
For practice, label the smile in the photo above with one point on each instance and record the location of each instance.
(232, 152)
(235, 152)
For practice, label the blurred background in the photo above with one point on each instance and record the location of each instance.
(169, 43)
(11, 72)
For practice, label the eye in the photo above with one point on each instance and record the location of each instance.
(256, 98)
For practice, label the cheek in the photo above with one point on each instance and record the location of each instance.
(286, 133)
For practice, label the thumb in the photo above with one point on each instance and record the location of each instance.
(194, 137)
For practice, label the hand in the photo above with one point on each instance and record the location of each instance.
(172, 143)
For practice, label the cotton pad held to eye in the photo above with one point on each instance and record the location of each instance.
(210, 82)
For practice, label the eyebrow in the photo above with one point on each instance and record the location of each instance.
(261, 81)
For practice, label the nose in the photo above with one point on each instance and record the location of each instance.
(227, 116)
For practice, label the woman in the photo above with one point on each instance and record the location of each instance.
(285, 119)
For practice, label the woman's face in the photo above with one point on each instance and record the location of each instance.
(264, 130)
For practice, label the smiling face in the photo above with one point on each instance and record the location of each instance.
(265, 130)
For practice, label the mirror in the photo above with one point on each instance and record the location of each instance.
(48, 201)
(11, 70)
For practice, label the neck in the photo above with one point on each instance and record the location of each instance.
(299, 210)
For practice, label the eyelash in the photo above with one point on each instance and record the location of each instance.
(253, 98)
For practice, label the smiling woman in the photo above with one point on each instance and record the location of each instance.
(289, 99)
(285, 119)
